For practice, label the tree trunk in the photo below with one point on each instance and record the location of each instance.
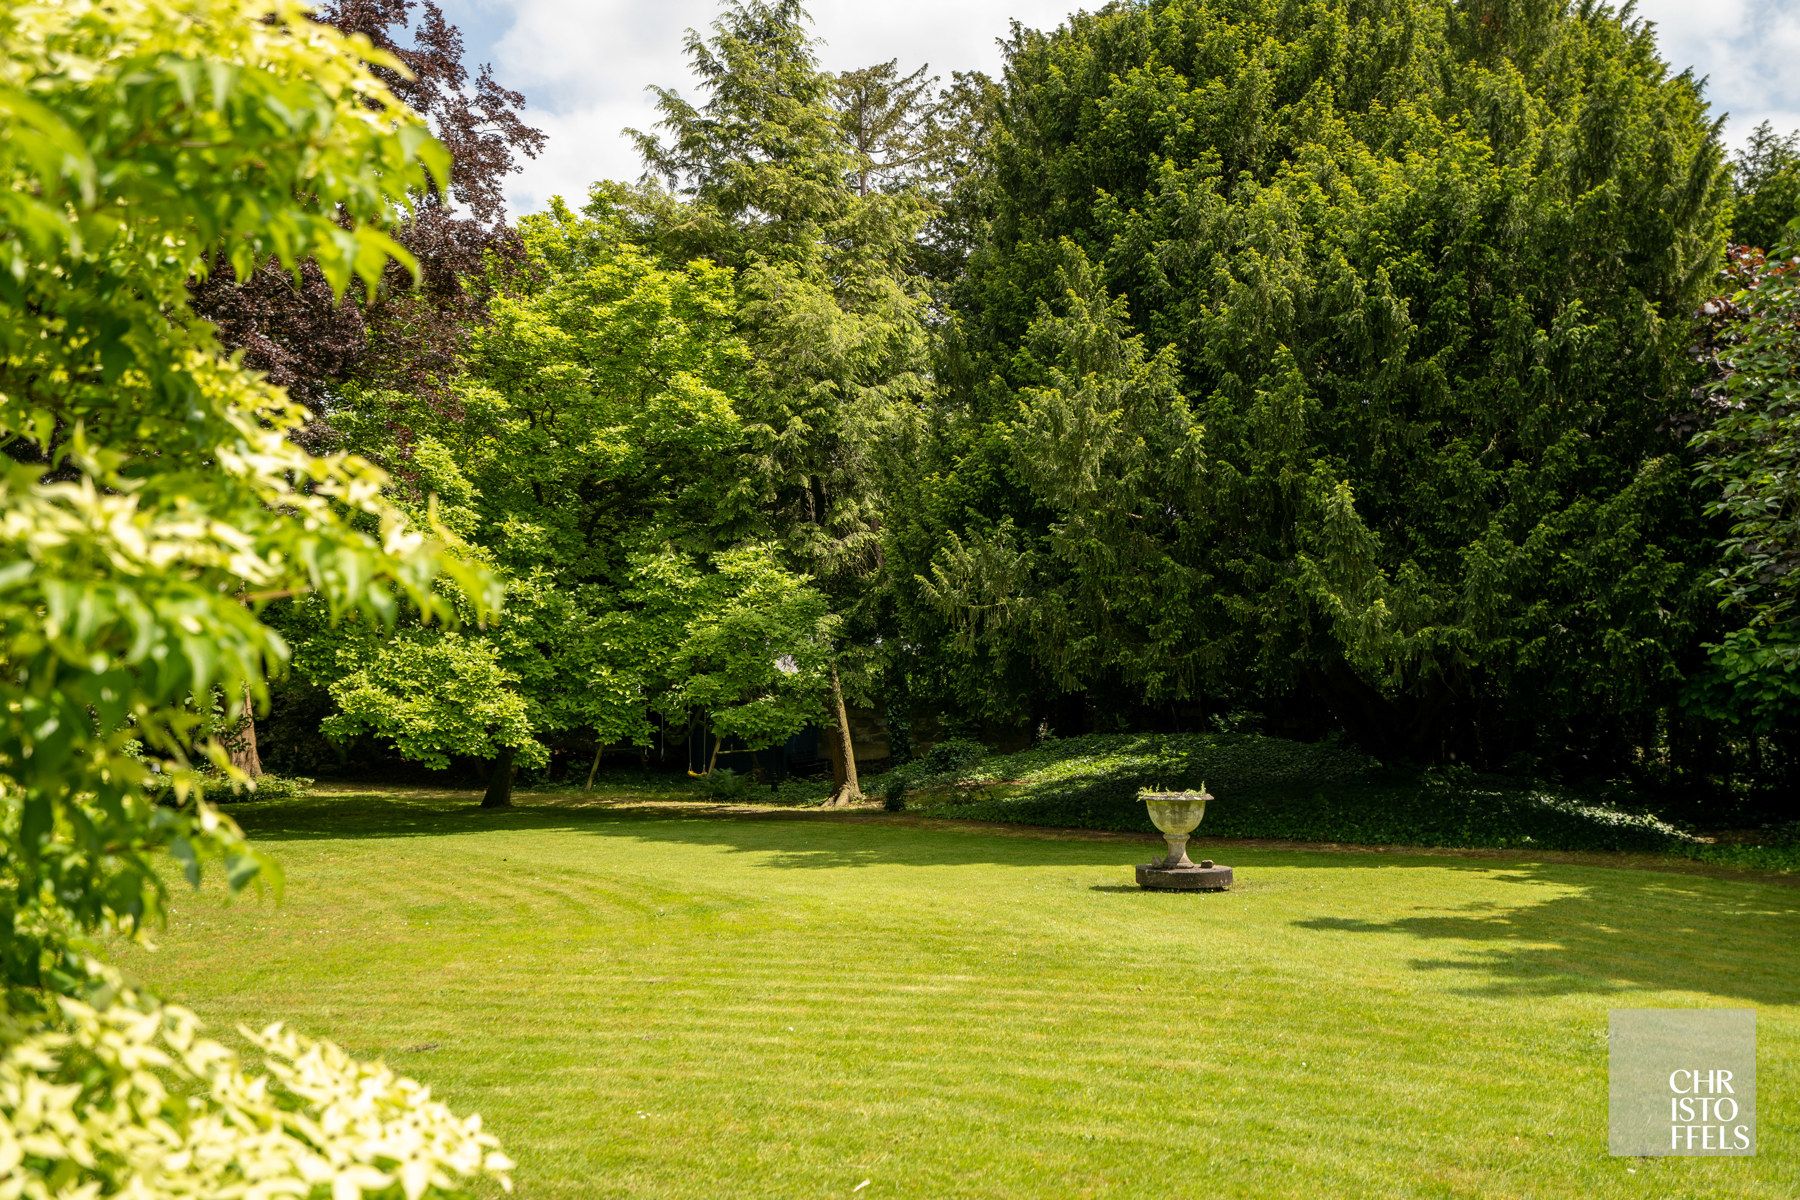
(499, 788)
(849, 791)
(714, 760)
(241, 745)
(591, 770)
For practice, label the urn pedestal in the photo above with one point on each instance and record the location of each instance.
(1178, 814)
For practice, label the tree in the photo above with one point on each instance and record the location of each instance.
(956, 176)
(152, 504)
(751, 648)
(1106, 448)
(593, 433)
(434, 693)
(909, 135)
(765, 180)
(887, 119)
(1423, 276)
(310, 338)
(1750, 466)
(1766, 179)
(296, 328)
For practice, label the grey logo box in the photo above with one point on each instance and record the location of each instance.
(1682, 1081)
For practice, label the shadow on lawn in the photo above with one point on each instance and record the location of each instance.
(793, 839)
(1673, 933)
(831, 839)
(1574, 928)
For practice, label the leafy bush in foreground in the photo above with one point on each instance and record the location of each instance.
(153, 502)
(129, 1100)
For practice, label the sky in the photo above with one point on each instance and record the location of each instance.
(585, 65)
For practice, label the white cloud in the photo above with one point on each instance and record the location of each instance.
(585, 65)
(1745, 49)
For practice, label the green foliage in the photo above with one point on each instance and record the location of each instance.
(801, 792)
(152, 504)
(947, 758)
(432, 693)
(757, 643)
(667, 388)
(1273, 788)
(1320, 358)
(269, 786)
(722, 783)
(101, 1101)
(598, 409)
(596, 456)
(1102, 442)
(765, 176)
(1766, 178)
(893, 795)
(152, 501)
(1750, 466)
(956, 172)
(887, 119)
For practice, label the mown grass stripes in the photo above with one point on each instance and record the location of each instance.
(667, 1002)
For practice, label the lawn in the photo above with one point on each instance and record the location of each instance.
(660, 999)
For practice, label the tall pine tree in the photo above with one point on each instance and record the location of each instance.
(762, 174)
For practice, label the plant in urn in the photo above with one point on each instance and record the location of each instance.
(1178, 814)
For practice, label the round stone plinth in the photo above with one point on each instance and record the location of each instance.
(1208, 878)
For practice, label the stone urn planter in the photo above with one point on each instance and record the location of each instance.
(1178, 814)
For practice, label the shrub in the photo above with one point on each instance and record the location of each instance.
(801, 791)
(141, 1104)
(722, 783)
(951, 755)
(223, 789)
(277, 787)
(1273, 788)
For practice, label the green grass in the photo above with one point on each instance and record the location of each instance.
(661, 1000)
